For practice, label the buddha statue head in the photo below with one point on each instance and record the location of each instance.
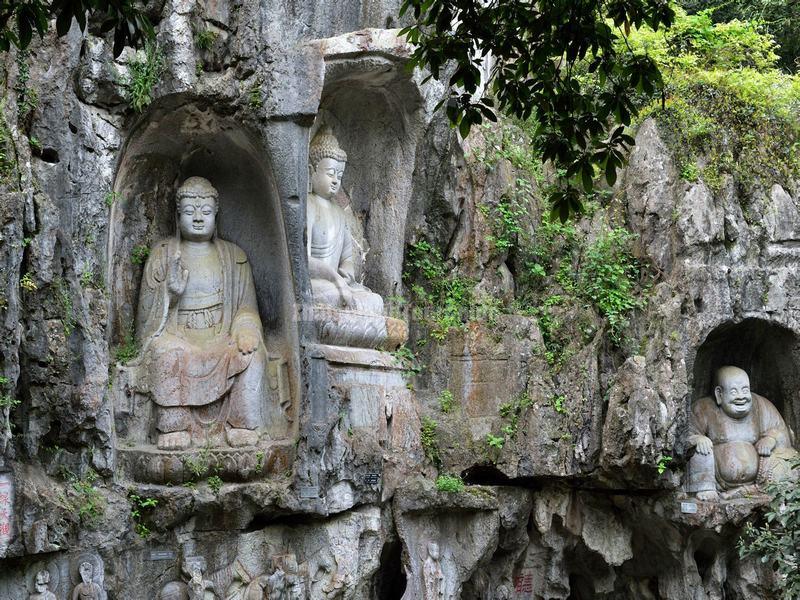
(732, 392)
(326, 162)
(42, 581)
(197, 203)
(86, 571)
(433, 550)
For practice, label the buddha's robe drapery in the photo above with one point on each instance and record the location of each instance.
(194, 360)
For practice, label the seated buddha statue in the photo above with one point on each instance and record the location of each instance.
(203, 350)
(330, 242)
(740, 439)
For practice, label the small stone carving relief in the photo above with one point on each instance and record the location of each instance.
(195, 586)
(87, 575)
(740, 439)
(43, 581)
(286, 581)
(432, 576)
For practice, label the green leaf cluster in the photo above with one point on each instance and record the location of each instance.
(447, 402)
(539, 50)
(449, 483)
(139, 254)
(144, 71)
(19, 20)
(777, 539)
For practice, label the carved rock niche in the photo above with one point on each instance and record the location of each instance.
(176, 141)
(768, 352)
(375, 110)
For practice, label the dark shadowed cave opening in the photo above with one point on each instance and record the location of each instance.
(390, 580)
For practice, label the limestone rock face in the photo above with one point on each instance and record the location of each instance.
(573, 452)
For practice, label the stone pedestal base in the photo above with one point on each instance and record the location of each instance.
(150, 465)
(370, 382)
(363, 395)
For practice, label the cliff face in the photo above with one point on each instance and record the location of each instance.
(565, 415)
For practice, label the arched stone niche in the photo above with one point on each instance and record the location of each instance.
(375, 109)
(177, 139)
(770, 353)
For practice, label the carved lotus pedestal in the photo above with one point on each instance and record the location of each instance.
(139, 459)
(150, 465)
(356, 329)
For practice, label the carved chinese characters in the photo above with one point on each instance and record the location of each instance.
(201, 335)
(6, 511)
(741, 441)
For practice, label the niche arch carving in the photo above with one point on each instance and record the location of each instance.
(768, 351)
(376, 110)
(178, 139)
(739, 435)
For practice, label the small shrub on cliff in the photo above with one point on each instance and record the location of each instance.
(444, 299)
(608, 279)
(505, 216)
(141, 506)
(777, 541)
(204, 40)
(139, 254)
(27, 283)
(447, 401)
(430, 441)
(144, 73)
(128, 350)
(7, 163)
(83, 497)
(449, 483)
(8, 401)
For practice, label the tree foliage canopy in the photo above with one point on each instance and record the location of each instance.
(778, 18)
(20, 19)
(540, 53)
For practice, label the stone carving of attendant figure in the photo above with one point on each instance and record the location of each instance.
(432, 576)
(202, 343)
(42, 586)
(87, 589)
(741, 441)
(330, 243)
(277, 586)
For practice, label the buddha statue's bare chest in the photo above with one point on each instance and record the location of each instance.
(205, 283)
(327, 231)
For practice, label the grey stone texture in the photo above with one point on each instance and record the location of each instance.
(574, 506)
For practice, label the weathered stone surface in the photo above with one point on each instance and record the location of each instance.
(344, 505)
